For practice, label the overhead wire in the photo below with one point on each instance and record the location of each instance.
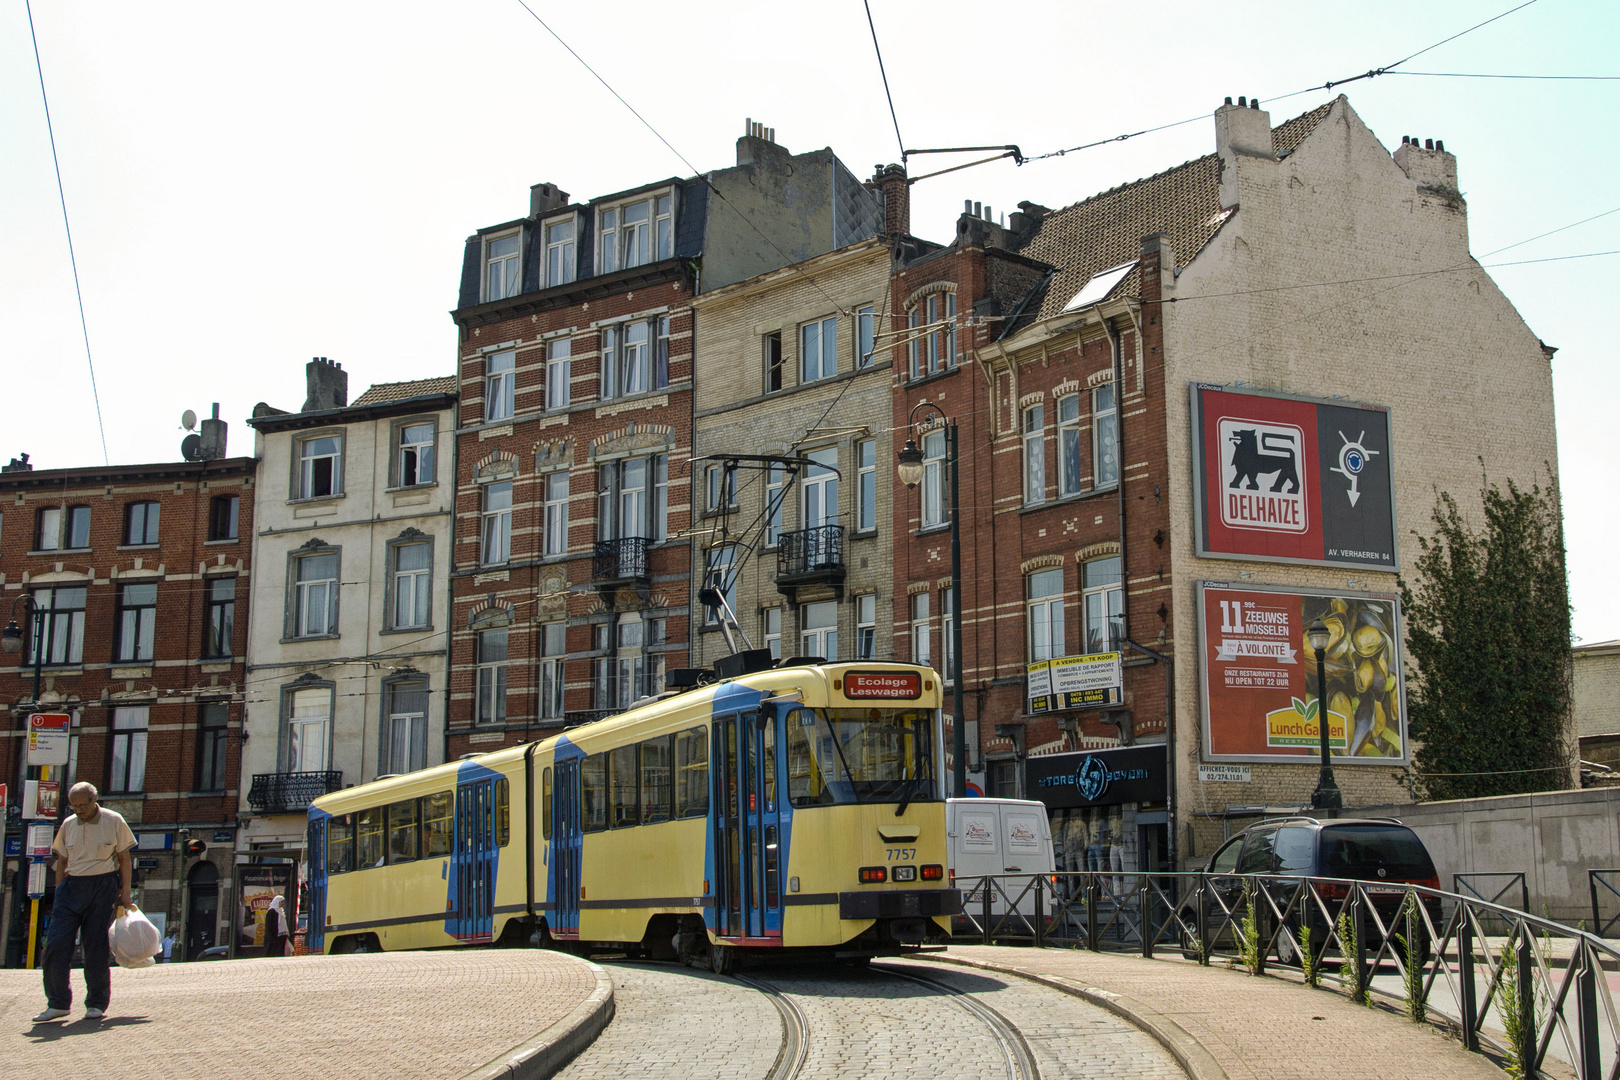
(788, 261)
(78, 289)
(881, 71)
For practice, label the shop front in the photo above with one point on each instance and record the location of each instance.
(1107, 808)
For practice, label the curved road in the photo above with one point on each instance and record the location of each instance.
(898, 1020)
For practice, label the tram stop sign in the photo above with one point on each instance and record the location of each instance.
(48, 738)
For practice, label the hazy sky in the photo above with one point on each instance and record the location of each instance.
(253, 185)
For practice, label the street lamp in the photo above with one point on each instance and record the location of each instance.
(910, 468)
(1327, 795)
(11, 638)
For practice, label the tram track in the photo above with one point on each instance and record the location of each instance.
(795, 1030)
(1017, 1057)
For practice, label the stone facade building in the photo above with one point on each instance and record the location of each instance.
(348, 640)
(1112, 358)
(130, 585)
(789, 365)
(572, 574)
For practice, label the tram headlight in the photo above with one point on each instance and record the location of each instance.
(933, 872)
(905, 873)
(874, 875)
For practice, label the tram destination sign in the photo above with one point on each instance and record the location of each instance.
(883, 684)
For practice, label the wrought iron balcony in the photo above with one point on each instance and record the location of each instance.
(290, 792)
(811, 556)
(624, 559)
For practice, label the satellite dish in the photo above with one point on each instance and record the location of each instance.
(188, 420)
(191, 447)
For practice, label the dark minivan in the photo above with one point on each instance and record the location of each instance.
(1379, 851)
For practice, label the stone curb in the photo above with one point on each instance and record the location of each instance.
(1197, 1062)
(546, 1053)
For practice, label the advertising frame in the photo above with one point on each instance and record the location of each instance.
(1195, 426)
(1307, 755)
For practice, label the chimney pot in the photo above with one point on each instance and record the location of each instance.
(978, 210)
(1229, 99)
(1440, 145)
(1428, 144)
(1243, 101)
(1254, 103)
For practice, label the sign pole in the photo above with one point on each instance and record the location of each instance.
(33, 903)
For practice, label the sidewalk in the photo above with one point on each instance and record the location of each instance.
(1221, 1023)
(405, 1015)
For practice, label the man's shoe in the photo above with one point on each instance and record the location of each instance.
(50, 1014)
(94, 1014)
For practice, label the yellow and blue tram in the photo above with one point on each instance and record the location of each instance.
(793, 808)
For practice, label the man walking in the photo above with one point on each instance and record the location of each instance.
(92, 876)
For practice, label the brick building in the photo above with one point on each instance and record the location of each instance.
(572, 557)
(788, 364)
(348, 645)
(138, 578)
(1113, 357)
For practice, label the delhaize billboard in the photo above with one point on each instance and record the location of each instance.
(1258, 677)
(1287, 479)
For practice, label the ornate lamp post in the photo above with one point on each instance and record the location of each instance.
(911, 469)
(11, 638)
(1327, 795)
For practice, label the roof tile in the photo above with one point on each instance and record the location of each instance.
(380, 393)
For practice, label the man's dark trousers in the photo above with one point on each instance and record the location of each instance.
(83, 905)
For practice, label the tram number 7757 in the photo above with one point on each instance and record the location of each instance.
(900, 854)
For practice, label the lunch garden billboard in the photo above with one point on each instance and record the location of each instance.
(1288, 479)
(1257, 679)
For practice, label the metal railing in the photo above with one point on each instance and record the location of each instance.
(811, 552)
(1610, 882)
(1428, 950)
(625, 557)
(289, 792)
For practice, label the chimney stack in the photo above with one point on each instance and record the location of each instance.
(18, 464)
(544, 198)
(890, 182)
(1242, 136)
(1429, 166)
(328, 385)
(211, 446)
(759, 144)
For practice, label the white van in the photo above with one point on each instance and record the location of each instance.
(1008, 838)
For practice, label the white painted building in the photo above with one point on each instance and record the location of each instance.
(347, 638)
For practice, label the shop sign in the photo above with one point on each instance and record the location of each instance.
(48, 738)
(1257, 682)
(1286, 479)
(1099, 778)
(1075, 682)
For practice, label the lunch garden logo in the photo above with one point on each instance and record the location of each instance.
(1263, 480)
(1296, 726)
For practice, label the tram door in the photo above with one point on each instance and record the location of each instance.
(750, 827)
(566, 843)
(474, 861)
(316, 936)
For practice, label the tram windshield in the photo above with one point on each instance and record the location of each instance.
(860, 755)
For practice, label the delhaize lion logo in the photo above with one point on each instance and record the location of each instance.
(1262, 475)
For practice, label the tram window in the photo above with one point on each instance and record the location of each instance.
(593, 793)
(692, 773)
(626, 785)
(545, 803)
(768, 746)
(807, 780)
(369, 842)
(402, 831)
(655, 791)
(438, 823)
(503, 812)
(340, 844)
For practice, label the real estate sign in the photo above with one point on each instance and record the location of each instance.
(1075, 682)
(1286, 479)
(1257, 681)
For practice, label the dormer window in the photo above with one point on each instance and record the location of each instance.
(635, 233)
(561, 262)
(503, 275)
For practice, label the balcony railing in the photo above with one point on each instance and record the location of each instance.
(290, 792)
(622, 559)
(811, 554)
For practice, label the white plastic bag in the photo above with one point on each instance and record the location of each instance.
(133, 939)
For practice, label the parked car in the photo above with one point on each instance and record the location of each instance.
(1380, 851)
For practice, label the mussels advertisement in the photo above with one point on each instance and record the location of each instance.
(1258, 682)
